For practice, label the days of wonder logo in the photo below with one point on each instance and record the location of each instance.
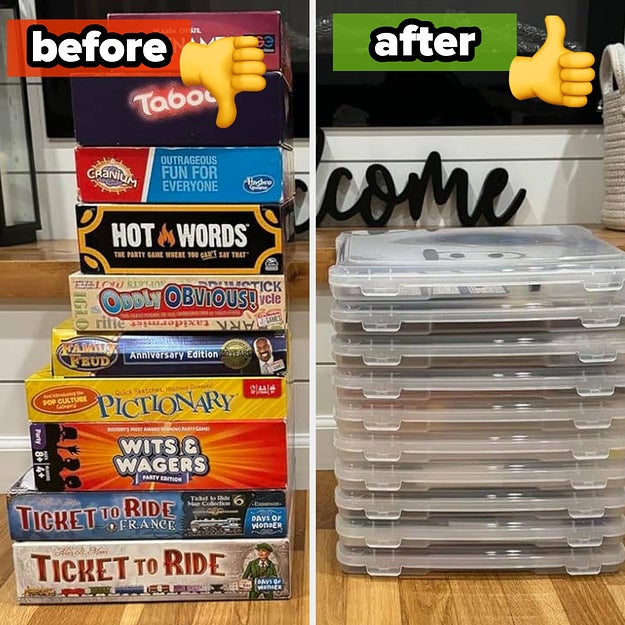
(112, 175)
(87, 353)
(258, 184)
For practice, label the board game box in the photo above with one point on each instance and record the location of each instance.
(139, 354)
(184, 239)
(222, 455)
(152, 570)
(199, 175)
(178, 303)
(137, 111)
(267, 26)
(119, 400)
(144, 515)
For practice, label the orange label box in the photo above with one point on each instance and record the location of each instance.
(52, 399)
(159, 456)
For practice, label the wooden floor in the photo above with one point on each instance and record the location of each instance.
(456, 599)
(291, 612)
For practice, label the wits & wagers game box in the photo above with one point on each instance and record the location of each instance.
(180, 455)
(178, 303)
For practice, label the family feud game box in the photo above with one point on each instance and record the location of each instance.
(139, 354)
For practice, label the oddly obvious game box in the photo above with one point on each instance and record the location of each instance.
(136, 354)
(144, 515)
(136, 111)
(152, 570)
(222, 455)
(183, 239)
(119, 400)
(197, 175)
(178, 303)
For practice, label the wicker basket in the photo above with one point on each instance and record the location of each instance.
(612, 78)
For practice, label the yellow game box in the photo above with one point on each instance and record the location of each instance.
(53, 399)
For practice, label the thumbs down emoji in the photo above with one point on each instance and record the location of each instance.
(225, 68)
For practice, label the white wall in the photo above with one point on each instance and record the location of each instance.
(561, 168)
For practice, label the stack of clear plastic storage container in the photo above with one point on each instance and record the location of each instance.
(480, 400)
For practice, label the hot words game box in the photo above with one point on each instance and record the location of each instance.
(144, 515)
(154, 570)
(221, 455)
(183, 239)
(159, 303)
(52, 399)
(199, 175)
(140, 354)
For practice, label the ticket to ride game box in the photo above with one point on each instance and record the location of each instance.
(52, 399)
(178, 303)
(184, 239)
(199, 175)
(152, 570)
(222, 455)
(144, 515)
(140, 354)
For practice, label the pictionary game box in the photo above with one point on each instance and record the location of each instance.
(178, 303)
(222, 455)
(123, 400)
(144, 515)
(137, 355)
(184, 239)
(135, 111)
(152, 570)
(197, 175)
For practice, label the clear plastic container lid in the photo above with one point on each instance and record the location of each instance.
(464, 411)
(475, 350)
(531, 262)
(401, 447)
(591, 312)
(585, 475)
(585, 381)
(481, 530)
(385, 506)
(519, 557)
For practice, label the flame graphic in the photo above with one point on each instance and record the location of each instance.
(166, 237)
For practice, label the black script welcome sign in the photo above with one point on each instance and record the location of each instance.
(380, 198)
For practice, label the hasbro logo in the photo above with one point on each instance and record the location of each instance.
(258, 184)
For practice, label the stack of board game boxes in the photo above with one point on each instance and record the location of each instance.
(480, 400)
(160, 434)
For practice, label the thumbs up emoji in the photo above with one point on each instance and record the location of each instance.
(554, 74)
(224, 67)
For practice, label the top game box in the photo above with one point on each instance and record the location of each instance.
(267, 26)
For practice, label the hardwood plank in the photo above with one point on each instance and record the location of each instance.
(326, 508)
(331, 597)
(38, 271)
(371, 600)
(428, 601)
(587, 601)
(533, 599)
(479, 600)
